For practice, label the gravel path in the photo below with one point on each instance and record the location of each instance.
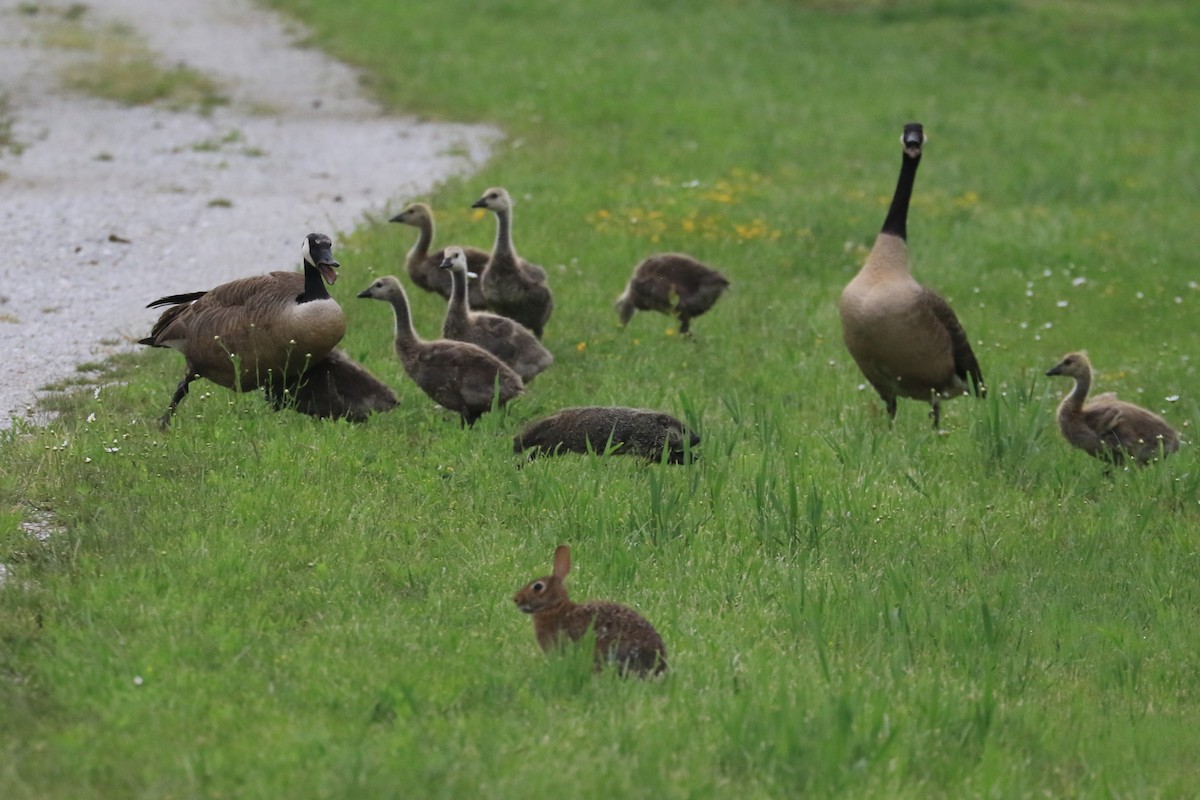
(108, 207)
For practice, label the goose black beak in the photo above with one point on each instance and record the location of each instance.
(397, 218)
(913, 138)
(446, 264)
(1055, 370)
(480, 203)
(323, 258)
(365, 293)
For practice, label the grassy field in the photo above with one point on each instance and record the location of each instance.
(262, 605)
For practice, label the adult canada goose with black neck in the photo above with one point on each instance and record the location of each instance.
(904, 337)
(256, 331)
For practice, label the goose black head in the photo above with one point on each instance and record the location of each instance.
(317, 251)
(913, 139)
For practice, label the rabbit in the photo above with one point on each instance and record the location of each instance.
(623, 636)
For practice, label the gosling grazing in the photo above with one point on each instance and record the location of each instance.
(512, 287)
(1105, 427)
(671, 283)
(335, 387)
(423, 267)
(904, 337)
(609, 429)
(255, 331)
(456, 375)
(506, 339)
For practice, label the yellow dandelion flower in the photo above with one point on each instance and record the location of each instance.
(670, 331)
(478, 214)
(603, 214)
(581, 346)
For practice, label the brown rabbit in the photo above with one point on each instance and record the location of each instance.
(622, 635)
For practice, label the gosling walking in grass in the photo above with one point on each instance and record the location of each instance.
(455, 375)
(1105, 427)
(671, 283)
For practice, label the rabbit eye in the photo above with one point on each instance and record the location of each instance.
(539, 586)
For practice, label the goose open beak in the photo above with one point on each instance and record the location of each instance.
(323, 258)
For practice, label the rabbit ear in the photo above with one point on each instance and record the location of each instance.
(562, 561)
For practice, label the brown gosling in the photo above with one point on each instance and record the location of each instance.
(609, 429)
(254, 332)
(513, 287)
(456, 375)
(506, 339)
(623, 637)
(1105, 427)
(904, 337)
(671, 283)
(335, 387)
(423, 267)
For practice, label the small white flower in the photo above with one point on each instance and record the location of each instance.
(1061, 304)
(112, 449)
(1172, 398)
(91, 417)
(1048, 325)
(1080, 281)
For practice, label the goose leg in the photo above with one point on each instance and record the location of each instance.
(180, 392)
(684, 321)
(935, 411)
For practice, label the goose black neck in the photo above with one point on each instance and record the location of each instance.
(314, 285)
(896, 222)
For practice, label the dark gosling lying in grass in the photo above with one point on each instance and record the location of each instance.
(599, 429)
(423, 267)
(1105, 427)
(456, 375)
(624, 637)
(671, 283)
(506, 339)
(335, 387)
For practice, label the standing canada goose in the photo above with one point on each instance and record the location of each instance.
(423, 266)
(511, 286)
(1105, 427)
(903, 336)
(506, 339)
(255, 331)
(594, 429)
(337, 387)
(456, 375)
(671, 283)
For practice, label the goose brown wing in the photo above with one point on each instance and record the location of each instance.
(965, 363)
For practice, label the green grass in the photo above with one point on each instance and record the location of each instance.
(261, 605)
(115, 64)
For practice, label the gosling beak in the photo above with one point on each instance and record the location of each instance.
(1055, 370)
(480, 203)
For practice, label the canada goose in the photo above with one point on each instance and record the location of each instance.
(336, 386)
(671, 283)
(506, 339)
(903, 336)
(1105, 427)
(511, 286)
(633, 431)
(423, 266)
(254, 331)
(459, 376)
